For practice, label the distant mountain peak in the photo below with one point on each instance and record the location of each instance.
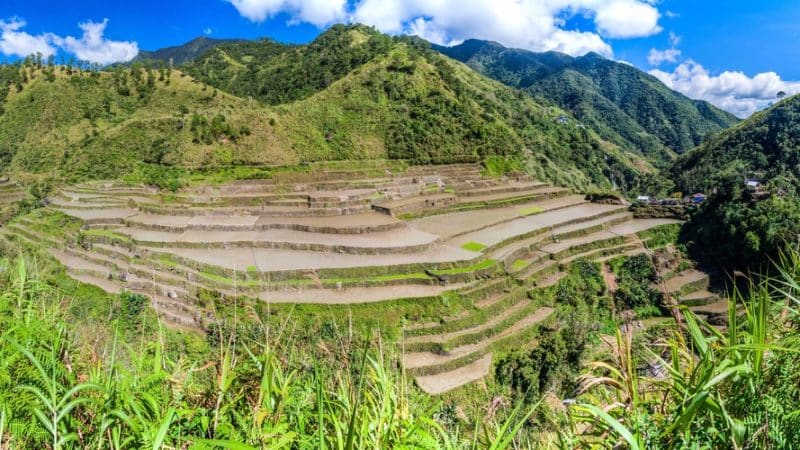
(594, 55)
(186, 52)
(624, 104)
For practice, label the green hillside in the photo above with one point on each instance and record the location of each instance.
(765, 146)
(430, 108)
(279, 73)
(737, 227)
(76, 124)
(362, 243)
(372, 97)
(181, 54)
(626, 106)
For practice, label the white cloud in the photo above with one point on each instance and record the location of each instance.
(658, 57)
(92, 46)
(15, 42)
(627, 19)
(537, 25)
(208, 31)
(316, 12)
(671, 55)
(674, 39)
(730, 90)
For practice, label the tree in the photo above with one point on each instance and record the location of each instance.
(781, 94)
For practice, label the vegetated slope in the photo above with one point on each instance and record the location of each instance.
(765, 146)
(410, 102)
(404, 102)
(625, 105)
(181, 54)
(66, 124)
(278, 73)
(737, 228)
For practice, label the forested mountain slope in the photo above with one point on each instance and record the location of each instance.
(365, 96)
(744, 227)
(625, 105)
(181, 54)
(765, 146)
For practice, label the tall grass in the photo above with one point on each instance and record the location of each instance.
(704, 386)
(133, 391)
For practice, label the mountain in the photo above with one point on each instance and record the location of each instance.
(625, 105)
(738, 227)
(182, 54)
(352, 94)
(62, 124)
(433, 108)
(765, 146)
(277, 73)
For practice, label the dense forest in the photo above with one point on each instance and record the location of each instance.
(623, 104)
(764, 147)
(739, 227)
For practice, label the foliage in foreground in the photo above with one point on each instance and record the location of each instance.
(698, 387)
(702, 387)
(59, 391)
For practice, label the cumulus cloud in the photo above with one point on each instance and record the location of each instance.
(658, 57)
(538, 25)
(671, 55)
(15, 42)
(316, 12)
(627, 19)
(730, 90)
(92, 46)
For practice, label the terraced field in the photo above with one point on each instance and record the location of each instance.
(691, 288)
(345, 237)
(10, 191)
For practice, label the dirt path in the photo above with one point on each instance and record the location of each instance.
(609, 278)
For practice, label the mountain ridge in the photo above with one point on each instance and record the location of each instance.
(763, 146)
(183, 53)
(656, 121)
(378, 97)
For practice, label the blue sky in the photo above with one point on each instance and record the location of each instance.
(736, 54)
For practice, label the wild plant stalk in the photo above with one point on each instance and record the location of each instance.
(702, 379)
(248, 394)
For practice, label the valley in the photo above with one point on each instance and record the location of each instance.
(373, 241)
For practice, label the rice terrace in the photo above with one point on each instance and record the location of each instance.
(346, 237)
(399, 225)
